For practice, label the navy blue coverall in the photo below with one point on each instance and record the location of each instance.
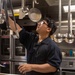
(46, 51)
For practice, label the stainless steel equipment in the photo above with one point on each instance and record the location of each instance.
(11, 52)
(6, 66)
(58, 37)
(5, 48)
(7, 74)
(18, 49)
(68, 66)
(34, 13)
(15, 66)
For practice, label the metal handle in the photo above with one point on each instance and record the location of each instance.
(11, 7)
(69, 71)
(59, 15)
(6, 13)
(69, 18)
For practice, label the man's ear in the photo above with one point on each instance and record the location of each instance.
(49, 29)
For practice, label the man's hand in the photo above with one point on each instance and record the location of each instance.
(3, 11)
(25, 68)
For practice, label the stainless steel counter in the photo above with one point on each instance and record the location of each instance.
(7, 74)
(68, 58)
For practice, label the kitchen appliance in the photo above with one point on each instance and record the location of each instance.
(67, 66)
(5, 66)
(11, 48)
(11, 67)
(5, 48)
(13, 53)
(15, 66)
(19, 50)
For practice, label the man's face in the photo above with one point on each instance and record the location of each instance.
(42, 27)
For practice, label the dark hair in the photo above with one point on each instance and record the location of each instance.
(51, 24)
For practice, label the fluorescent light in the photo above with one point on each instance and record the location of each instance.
(66, 8)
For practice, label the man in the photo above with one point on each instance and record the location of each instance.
(43, 55)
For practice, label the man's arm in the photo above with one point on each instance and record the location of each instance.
(42, 68)
(12, 26)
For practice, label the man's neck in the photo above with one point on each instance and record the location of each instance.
(41, 38)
